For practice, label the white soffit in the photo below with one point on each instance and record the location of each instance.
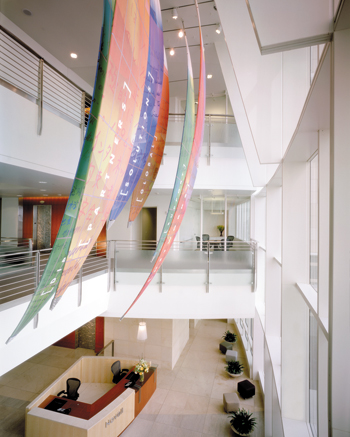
(258, 172)
(343, 16)
(315, 115)
(286, 25)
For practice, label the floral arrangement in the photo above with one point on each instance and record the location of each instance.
(141, 368)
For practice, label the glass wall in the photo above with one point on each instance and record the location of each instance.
(313, 374)
(314, 222)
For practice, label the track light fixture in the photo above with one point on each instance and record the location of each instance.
(172, 52)
(181, 33)
(218, 29)
(175, 14)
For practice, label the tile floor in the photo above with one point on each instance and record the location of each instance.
(187, 402)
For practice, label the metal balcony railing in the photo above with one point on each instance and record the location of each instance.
(21, 270)
(23, 71)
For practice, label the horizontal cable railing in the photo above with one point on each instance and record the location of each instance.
(188, 245)
(209, 118)
(20, 68)
(20, 271)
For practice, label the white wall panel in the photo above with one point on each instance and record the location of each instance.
(291, 20)
(9, 217)
(56, 151)
(340, 187)
(53, 325)
(263, 83)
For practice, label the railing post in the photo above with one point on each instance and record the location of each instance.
(82, 125)
(40, 97)
(80, 286)
(109, 261)
(37, 268)
(115, 282)
(208, 269)
(37, 280)
(209, 141)
(161, 279)
(254, 245)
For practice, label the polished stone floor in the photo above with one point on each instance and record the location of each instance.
(187, 402)
(188, 399)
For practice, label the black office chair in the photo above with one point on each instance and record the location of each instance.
(230, 238)
(198, 242)
(205, 237)
(72, 389)
(118, 373)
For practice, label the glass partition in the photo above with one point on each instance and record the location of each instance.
(314, 222)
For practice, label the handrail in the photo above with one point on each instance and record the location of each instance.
(255, 244)
(105, 347)
(20, 271)
(23, 70)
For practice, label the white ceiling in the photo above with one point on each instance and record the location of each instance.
(66, 26)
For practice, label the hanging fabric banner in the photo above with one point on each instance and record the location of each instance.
(149, 113)
(191, 173)
(113, 121)
(149, 174)
(185, 152)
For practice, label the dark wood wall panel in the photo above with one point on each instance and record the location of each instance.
(58, 205)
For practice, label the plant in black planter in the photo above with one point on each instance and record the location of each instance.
(242, 422)
(234, 367)
(221, 229)
(230, 337)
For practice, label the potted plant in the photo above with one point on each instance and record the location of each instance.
(141, 368)
(221, 229)
(234, 368)
(230, 337)
(242, 422)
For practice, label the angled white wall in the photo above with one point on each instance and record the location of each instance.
(272, 88)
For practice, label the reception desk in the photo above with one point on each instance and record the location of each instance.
(108, 415)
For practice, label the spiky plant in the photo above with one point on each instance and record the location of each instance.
(230, 337)
(234, 367)
(242, 421)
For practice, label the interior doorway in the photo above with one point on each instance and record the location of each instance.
(149, 228)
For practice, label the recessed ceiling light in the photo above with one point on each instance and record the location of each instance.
(209, 76)
(42, 182)
(73, 55)
(42, 190)
(175, 14)
(42, 201)
(45, 195)
(19, 195)
(172, 52)
(27, 12)
(181, 33)
(59, 194)
(218, 29)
